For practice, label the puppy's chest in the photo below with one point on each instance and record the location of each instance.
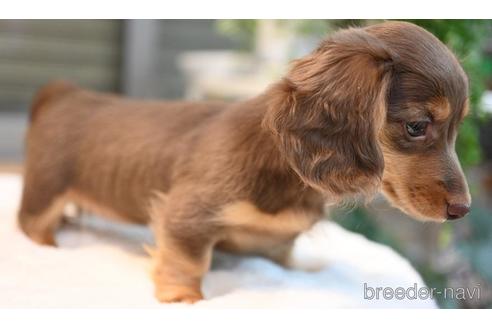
(249, 229)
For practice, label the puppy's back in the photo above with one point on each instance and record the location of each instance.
(109, 148)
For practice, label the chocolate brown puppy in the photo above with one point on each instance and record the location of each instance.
(371, 108)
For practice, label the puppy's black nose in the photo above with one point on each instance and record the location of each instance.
(457, 211)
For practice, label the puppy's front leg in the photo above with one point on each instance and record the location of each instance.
(184, 243)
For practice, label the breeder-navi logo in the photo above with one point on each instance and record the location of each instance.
(421, 293)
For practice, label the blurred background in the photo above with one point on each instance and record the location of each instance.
(237, 59)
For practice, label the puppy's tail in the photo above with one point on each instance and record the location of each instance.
(47, 93)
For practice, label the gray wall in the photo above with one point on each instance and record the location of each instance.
(33, 52)
(152, 49)
(135, 56)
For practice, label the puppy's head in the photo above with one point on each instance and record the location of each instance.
(377, 107)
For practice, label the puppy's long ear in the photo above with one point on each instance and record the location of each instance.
(327, 113)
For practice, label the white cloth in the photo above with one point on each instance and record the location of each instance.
(102, 264)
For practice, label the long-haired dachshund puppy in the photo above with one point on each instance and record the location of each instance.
(371, 108)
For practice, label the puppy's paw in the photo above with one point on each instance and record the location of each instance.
(175, 294)
(42, 238)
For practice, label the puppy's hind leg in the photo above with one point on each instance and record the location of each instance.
(43, 201)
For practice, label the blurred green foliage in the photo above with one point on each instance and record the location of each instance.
(241, 30)
(476, 246)
(358, 220)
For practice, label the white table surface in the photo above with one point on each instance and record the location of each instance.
(103, 264)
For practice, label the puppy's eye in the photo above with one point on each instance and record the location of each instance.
(417, 129)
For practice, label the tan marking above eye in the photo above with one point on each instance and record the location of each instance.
(440, 109)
